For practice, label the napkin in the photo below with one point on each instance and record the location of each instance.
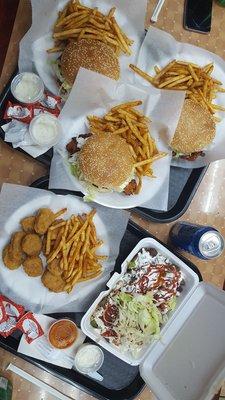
(31, 349)
(159, 48)
(18, 202)
(17, 133)
(94, 94)
(130, 15)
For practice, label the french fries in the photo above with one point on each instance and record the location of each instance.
(80, 22)
(133, 126)
(75, 246)
(197, 81)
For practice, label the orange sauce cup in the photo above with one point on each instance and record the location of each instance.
(62, 334)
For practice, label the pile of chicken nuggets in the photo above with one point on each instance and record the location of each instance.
(65, 244)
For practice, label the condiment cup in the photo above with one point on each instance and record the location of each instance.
(40, 86)
(56, 322)
(94, 368)
(37, 119)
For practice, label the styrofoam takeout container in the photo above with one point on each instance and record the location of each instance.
(188, 362)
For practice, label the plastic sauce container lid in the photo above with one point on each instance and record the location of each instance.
(27, 87)
(89, 358)
(45, 129)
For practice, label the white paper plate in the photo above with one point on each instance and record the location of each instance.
(30, 291)
(150, 188)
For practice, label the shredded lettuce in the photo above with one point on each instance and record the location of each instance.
(139, 321)
(74, 168)
(131, 265)
(177, 154)
(65, 86)
(172, 303)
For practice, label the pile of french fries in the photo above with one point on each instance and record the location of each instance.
(195, 80)
(133, 126)
(77, 21)
(74, 242)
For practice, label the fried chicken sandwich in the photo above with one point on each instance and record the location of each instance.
(195, 131)
(90, 54)
(105, 163)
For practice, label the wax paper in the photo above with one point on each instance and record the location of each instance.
(32, 349)
(130, 15)
(17, 133)
(159, 48)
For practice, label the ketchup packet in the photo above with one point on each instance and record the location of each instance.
(30, 327)
(19, 112)
(40, 110)
(50, 101)
(8, 326)
(11, 308)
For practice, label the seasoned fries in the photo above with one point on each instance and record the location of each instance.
(133, 126)
(75, 248)
(197, 81)
(77, 22)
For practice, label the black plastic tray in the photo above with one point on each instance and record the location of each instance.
(6, 96)
(182, 187)
(121, 381)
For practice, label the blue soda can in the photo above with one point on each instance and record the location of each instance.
(203, 242)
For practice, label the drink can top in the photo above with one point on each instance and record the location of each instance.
(211, 244)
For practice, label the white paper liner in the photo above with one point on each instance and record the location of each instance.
(31, 349)
(17, 133)
(17, 202)
(159, 48)
(96, 94)
(130, 15)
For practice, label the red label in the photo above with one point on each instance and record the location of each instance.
(8, 326)
(30, 327)
(41, 110)
(11, 308)
(19, 112)
(50, 101)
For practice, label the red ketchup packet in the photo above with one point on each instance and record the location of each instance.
(23, 113)
(50, 102)
(11, 308)
(30, 327)
(41, 110)
(8, 326)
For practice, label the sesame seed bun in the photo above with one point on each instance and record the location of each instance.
(195, 130)
(90, 54)
(105, 161)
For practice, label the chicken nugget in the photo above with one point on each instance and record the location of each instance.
(28, 224)
(32, 244)
(44, 242)
(54, 267)
(43, 220)
(8, 260)
(16, 241)
(53, 283)
(33, 266)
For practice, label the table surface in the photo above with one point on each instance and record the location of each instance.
(207, 207)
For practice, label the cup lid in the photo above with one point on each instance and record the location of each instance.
(39, 85)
